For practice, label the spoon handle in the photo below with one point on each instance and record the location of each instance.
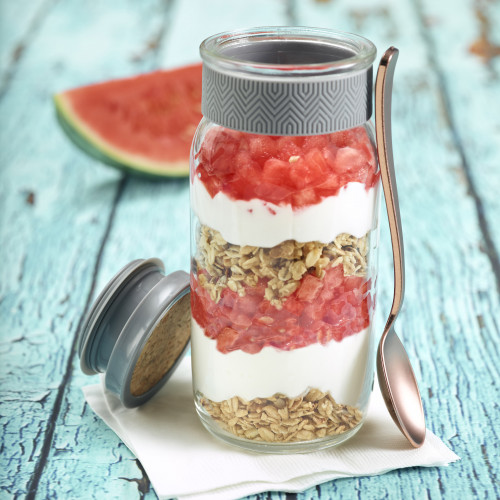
(383, 99)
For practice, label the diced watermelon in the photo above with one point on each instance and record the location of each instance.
(262, 147)
(342, 139)
(318, 311)
(249, 303)
(296, 171)
(348, 159)
(315, 310)
(305, 197)
(316, 142)
(272, 193)
(315, 168)
(288, 147)
(277, 172)
(252, 347)
(334, 277)
(294, 306)
(309, 288)
(226, 339)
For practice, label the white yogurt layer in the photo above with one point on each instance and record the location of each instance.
(338, 367)
(259, 223)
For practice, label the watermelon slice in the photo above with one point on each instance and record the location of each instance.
(144, 124)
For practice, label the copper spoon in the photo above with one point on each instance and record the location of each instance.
(396, 378)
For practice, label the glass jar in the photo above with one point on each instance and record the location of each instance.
(284, 196)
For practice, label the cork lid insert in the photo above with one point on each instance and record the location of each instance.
(163, 347)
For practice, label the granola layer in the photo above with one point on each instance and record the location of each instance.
(283, 266)
(279, 419)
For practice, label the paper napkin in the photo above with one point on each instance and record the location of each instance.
(184, 461)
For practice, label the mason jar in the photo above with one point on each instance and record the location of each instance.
(284, 188)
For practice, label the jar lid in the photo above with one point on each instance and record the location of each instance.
(137, 331)
(287, 80)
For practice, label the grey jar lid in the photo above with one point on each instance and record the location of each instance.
(287, 80)
(137, 331)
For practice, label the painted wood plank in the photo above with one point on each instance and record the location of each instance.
(18, 23)
(56, 206)
(465, 50)
(469, 87)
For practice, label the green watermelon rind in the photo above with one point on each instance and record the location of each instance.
(86, 140)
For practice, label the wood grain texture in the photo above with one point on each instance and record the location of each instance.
(67, 224)
(19, 22)
(470, 89)
(57, 207)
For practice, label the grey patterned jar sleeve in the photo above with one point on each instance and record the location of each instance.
(287, 106)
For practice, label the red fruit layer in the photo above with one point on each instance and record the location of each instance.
(318, 311)
(246, 166)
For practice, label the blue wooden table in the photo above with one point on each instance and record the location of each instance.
(67, 224)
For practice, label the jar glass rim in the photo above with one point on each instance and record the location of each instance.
(325, 51)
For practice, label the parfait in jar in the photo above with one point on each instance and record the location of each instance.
(282, 285)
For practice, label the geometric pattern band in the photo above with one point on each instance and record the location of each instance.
(304, 106)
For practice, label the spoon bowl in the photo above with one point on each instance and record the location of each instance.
(399, 388)
(395, 374)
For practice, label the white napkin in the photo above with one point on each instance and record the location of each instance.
(183, 460)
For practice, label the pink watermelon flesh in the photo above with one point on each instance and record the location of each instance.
(145, 123)
(321, 310)
(296, 171)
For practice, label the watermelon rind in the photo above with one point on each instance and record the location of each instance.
(93, 145)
